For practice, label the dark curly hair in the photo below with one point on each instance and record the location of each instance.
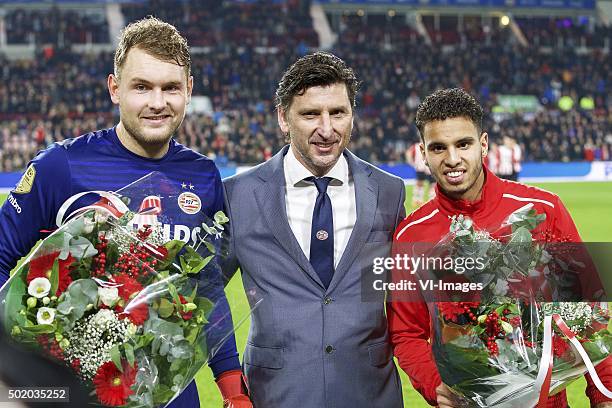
(447, 104)
(318, 69)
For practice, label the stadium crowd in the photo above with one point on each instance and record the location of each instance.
(61, 94)
(55, 26)
(564, 32)
(264, 23)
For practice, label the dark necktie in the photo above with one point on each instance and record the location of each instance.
(322, 232)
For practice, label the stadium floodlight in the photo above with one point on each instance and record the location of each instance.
(504, 20)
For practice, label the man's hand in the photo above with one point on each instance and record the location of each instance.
(447, 398)
(604, 405)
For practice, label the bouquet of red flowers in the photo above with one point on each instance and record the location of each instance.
(524, 335)
(108, 295)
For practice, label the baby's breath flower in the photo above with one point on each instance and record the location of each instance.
(92, 339)
(578, 315)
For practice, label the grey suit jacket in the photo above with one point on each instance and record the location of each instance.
(308, 346)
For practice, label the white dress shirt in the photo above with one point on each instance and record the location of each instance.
(300, 197)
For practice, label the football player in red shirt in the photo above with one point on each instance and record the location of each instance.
(454, 146)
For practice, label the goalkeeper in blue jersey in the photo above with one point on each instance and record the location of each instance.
(152, 85)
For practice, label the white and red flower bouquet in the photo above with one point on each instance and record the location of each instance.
(123, 306)
(531, 329)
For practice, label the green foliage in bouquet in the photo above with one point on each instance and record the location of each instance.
(505, 260)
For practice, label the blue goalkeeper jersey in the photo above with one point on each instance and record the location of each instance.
(189, 186)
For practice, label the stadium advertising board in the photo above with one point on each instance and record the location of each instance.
(516, 103)
(531, 172)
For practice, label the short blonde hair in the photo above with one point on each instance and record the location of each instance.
(158, 38)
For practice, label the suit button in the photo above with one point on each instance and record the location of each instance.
(329, 349)
(327, 300)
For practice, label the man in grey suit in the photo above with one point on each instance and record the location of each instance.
(305, 227)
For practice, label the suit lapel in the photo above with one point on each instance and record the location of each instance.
(366, 195)
(270, 197)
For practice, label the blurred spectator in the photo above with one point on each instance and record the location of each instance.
(564, 32)
(264, 23)
(52, 85)
(56, 26)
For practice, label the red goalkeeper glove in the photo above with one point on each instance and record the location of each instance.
(233, 390)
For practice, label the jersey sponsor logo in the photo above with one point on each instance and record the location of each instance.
(180, 232)
(189, 203)
(176, 231)
(14, 203)
(27, 181)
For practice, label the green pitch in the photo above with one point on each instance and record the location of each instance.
(589, 204)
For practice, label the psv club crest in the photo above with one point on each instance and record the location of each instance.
(189, 203)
